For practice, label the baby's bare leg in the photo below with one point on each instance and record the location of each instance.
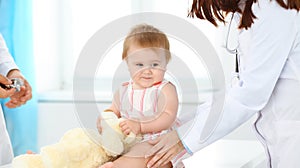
(135, 158)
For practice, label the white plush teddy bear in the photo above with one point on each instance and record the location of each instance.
(82, 148)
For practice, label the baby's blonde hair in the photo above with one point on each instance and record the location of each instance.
(146, 36)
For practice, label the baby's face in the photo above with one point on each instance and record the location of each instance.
(146, 66)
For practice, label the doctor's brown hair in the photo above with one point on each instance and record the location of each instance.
(213, 10)
(147, 36)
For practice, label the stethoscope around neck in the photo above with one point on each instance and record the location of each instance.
(233, 50)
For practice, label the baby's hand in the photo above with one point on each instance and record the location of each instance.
(128, 126)
(99, 127)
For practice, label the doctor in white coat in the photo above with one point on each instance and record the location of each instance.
(269, 83)
(8, 70)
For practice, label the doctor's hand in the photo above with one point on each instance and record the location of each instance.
(4, 93)
(21, 97)
(164, 150)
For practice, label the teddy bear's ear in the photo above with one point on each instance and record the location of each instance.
(110, 139)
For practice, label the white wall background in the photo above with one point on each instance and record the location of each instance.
(62, 27)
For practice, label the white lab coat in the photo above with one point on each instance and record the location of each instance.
(6, 64)
(269, 87)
